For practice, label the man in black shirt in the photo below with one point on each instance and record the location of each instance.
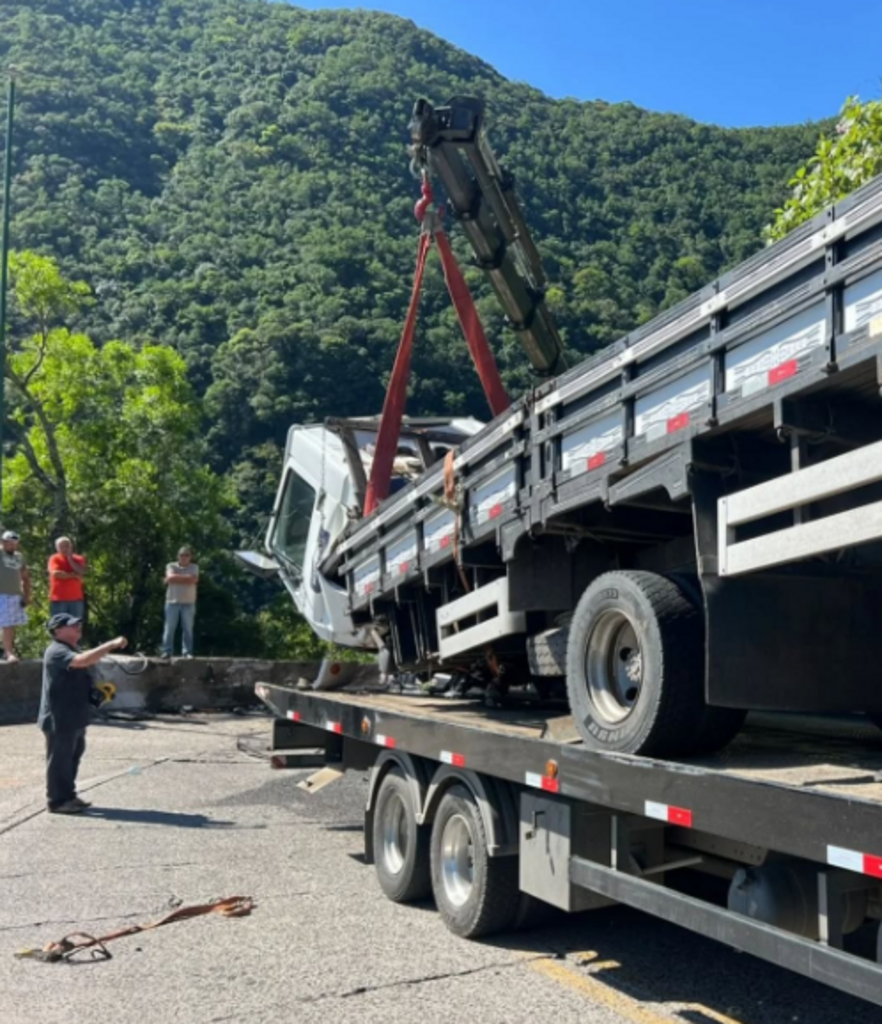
(64, 708)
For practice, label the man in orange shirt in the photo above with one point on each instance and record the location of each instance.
(66, 572)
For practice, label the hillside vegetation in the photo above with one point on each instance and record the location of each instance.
(230, 179)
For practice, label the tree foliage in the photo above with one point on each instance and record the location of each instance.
(229, 180)
(844, 160)
(108, 446)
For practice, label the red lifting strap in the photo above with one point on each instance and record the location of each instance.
(396, 393)
(482, 356)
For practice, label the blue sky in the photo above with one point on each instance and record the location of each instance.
(734, 63)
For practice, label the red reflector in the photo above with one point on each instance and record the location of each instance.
(680, 816)
(873, 866)
(596, 461)
(550, 785)
(369, 588)
(495, 511)
(678, 422)
(782, 372)
(446, 541)
(403, 567)
(335, 727)
(458, 760)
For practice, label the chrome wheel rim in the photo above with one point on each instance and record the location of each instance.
(395, 842)
(614, 666)
(457, 859)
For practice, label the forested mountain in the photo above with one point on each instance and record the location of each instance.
(230, 178)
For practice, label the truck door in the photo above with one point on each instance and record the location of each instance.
(299, 542)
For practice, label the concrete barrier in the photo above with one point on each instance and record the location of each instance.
(154, 685)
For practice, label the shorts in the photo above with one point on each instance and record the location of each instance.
(12, 611)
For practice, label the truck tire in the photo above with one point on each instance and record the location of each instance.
(476, 894)
(547, 653)
(635, 666)
(401, 846)
(716, 729)
(718, 726)
(876, 718)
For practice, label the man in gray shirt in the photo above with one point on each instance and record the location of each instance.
(64, 708)
(15, 591)
(181, 580)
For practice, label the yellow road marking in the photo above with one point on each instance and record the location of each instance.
(625, 1006)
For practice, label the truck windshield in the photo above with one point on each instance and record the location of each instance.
(292, 525)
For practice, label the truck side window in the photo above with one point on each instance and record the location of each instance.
(292, 525)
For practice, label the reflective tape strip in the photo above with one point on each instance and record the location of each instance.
(294, 716)
(853, 860)
(385, 741)
(538, 781)
(450, 757)
(678, 422)
(666, 812)
(335, 727)
(784, 371)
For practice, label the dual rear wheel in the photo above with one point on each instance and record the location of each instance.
(475, 894)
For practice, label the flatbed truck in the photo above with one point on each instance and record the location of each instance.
(773, 847)
(679, 529)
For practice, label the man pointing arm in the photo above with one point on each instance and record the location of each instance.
(65, 708)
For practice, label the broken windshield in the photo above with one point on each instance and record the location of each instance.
(292, 523)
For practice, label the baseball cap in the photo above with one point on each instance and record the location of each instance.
(62, 619)
(9, 535)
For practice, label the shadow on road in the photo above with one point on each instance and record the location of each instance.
(651, 961)
(145, 817)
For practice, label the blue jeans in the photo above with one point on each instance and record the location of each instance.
(175, 613)
(71, 607)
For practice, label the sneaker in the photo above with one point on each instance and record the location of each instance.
(71, 807)
(79, 800)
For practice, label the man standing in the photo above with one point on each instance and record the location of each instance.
(66, 572)
(15, 591)
(64, 708)
(181, 580)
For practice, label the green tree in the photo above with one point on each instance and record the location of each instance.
(231, 179)
(107, 446)
(843, 161)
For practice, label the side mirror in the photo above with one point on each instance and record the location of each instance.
(257, 564)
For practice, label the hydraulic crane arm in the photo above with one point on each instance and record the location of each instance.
(449, 142)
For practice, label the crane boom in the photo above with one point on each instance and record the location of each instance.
(449, 142)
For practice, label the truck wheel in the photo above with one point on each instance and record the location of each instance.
(716, 729)
(876, 718)
(476, 894)
(401, 846)
(635, 666)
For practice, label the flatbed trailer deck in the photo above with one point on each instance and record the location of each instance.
(791, 811)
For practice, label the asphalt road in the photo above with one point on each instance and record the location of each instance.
(182, 816)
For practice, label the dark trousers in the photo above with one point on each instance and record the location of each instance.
(64, 751)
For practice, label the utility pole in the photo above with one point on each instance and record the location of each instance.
(4, 262)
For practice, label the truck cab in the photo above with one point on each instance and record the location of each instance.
(322, 492)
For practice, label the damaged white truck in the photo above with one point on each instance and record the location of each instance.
(680, 528)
